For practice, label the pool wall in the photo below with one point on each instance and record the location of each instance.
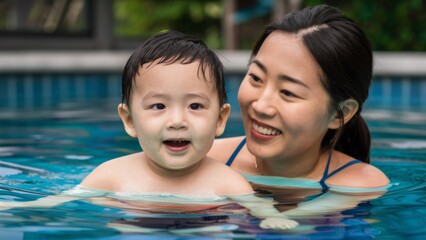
(32, 80)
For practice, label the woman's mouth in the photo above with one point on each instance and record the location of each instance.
(265, 130)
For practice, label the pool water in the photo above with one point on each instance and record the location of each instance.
(47, 151)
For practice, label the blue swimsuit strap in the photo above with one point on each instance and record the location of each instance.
(326, 175)
(235, 153)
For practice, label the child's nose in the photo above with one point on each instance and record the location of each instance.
(177, 120)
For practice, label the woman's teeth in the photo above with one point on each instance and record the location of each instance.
(265, 130)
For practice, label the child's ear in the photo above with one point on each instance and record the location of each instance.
(225, 110)
(126, 118)
(349, 109)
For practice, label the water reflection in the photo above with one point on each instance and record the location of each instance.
(44, 154)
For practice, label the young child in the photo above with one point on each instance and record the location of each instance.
(174, 103)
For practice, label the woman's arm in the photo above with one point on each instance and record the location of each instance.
(332, 201)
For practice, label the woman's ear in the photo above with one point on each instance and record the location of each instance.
(126, 118)
(225, 110)
(349, 108)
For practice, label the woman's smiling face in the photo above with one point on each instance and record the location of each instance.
(283, 103)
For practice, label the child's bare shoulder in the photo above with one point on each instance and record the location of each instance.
(231, 181)
(104, 176)
(215, 165)
(116, 165)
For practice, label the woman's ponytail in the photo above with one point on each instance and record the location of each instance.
(354, 139)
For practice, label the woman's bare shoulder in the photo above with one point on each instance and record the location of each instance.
(367, 175)
(361, 175)
(223, 148)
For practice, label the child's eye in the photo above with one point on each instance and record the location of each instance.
(158, 106)
(195, 106)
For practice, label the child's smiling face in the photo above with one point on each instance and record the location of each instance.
(174, 113)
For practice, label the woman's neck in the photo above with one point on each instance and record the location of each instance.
(308, 165)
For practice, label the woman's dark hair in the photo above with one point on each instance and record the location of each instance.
(168, 48)
(343, 52)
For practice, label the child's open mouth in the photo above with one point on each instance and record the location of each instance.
(177, 144)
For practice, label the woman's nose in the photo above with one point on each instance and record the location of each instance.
(265, 104)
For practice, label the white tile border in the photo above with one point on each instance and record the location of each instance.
(386, 63)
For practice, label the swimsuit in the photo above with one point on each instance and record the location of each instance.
(325, 175)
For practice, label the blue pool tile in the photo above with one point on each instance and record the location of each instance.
(34, 90)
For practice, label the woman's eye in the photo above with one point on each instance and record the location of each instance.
(158, 106)
(288, 93)
(254, 77)
(195, 106)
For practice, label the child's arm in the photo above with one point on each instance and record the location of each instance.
(44, 202)
(264, 208)
(240, 190)
(97, 179)
(76, 193)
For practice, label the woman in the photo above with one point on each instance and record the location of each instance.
(301, 101)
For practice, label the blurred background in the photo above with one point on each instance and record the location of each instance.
(392, 25)
(59, 52)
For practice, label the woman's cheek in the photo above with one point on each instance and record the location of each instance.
(244, 93)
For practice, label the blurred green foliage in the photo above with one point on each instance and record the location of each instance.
(391, 25)
(143, 18)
